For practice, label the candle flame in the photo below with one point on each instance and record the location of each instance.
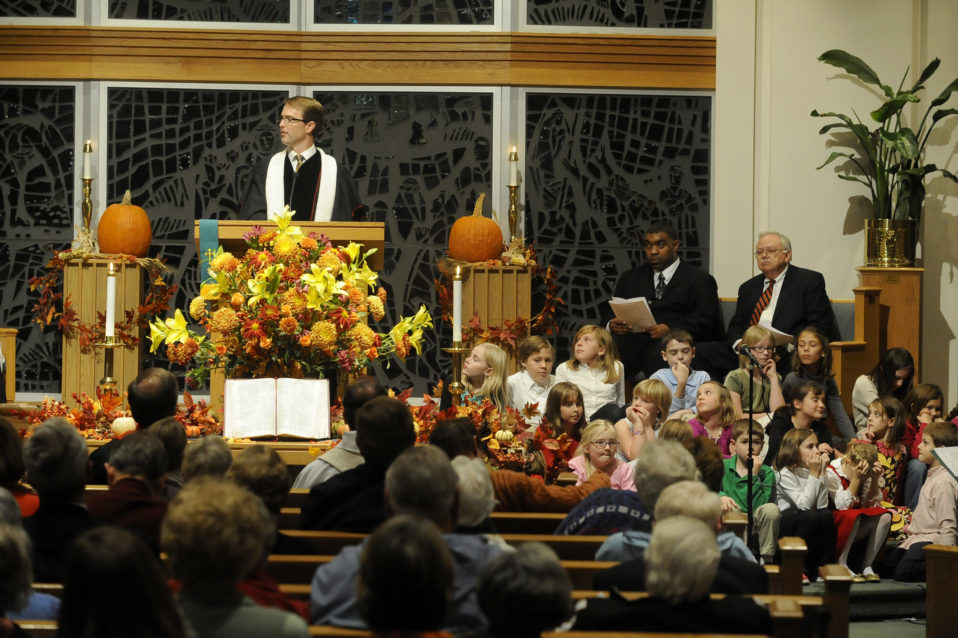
(457, 271)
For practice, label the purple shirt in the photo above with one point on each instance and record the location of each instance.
(724, 438)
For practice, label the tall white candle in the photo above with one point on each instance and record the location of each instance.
(513, 167)
(87, 159)
(110, 300)
(457, 307)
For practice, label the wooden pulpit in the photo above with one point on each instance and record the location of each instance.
(230, 233)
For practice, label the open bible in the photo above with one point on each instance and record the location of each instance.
(276, 407)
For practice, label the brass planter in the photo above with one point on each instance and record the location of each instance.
(890, 243)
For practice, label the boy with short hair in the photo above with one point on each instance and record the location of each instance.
(734, 493)
(678, 350)
(531, 384)
(935, 519)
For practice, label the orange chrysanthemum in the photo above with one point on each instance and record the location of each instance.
(198, 308)
(224, 263)
(289, 325)
(361, 336)
(323, 335)
(253, 330)
(376, 307)
(224, 320)
(308, 243)
(330, 259)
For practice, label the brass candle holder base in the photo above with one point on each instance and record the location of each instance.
(109, 344)
(457, 387)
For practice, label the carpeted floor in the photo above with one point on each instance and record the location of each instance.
(898, 628)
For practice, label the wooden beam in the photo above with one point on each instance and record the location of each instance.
(293, 57)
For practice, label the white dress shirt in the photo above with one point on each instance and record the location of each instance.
(524, 390)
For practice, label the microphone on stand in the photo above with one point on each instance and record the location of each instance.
(747, 351)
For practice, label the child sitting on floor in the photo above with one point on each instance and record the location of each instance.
(596, 451)
(852, 483)
(650, 405)
(596, 369)
(934, 520)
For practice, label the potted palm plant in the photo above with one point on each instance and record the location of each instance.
(889, 158)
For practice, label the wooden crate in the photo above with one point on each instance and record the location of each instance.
(84, 283)
(497, 294)
(8, 345)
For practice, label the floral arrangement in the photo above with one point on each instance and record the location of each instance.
(95, 415)
(292, 306)
(503, 437)
(52, 309)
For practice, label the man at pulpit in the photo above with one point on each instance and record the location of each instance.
(301, 175)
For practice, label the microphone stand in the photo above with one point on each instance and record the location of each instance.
(750, 461)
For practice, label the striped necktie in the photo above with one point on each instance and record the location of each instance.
(299, 162)
(762, 303)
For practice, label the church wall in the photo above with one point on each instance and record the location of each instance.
(768, 80)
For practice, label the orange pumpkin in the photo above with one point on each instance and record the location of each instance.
(124, 228)
(193, 431)
(474, 237)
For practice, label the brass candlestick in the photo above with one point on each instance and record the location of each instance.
(109, 344)
(457, 387)
(513, 213)
(87, 206)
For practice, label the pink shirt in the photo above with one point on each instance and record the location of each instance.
(934, 519)
(620, 474)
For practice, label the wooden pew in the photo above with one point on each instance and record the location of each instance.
(941, 577)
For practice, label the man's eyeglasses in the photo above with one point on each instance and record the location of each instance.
(603, 444)
(771, 252)
(289, 120)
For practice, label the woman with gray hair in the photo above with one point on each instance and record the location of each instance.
(681, 563)
(16, 575)
(476, 496)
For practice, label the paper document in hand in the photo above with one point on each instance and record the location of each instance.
(948, 457)
(779, 338)
(276, 407)
(636, 311)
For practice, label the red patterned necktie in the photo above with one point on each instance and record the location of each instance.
(762, 303)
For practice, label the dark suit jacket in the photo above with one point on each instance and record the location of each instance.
(348, 502)
(801, 302)
(731, 615)
(734, 576)
(304, 187)
(52, 530)
(690, 301)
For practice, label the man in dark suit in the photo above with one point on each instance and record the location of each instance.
(783, 296)
(797, 298)
(302, 176)
(679, 295)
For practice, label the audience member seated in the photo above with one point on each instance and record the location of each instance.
(172, 435)
(525, 592)
(738, 573)
(214, 534)
(934, 520)
(152, 395)
(346, 455)
(607, 511)
(11, 469)
(420, 482)
(39, 606)
(891, 376)
(56, 462)
(514, 491)
(708, 458)
(136, 473)
(682, 561)
(405, 580)
(114, 587)
(207, 456)
(261, 470)
(15, 577)
(353, 500)
(476, 496)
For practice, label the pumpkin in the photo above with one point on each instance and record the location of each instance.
(124, 228)
(505, 436)
(121, 425)
(193, 431)
(474, 237)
